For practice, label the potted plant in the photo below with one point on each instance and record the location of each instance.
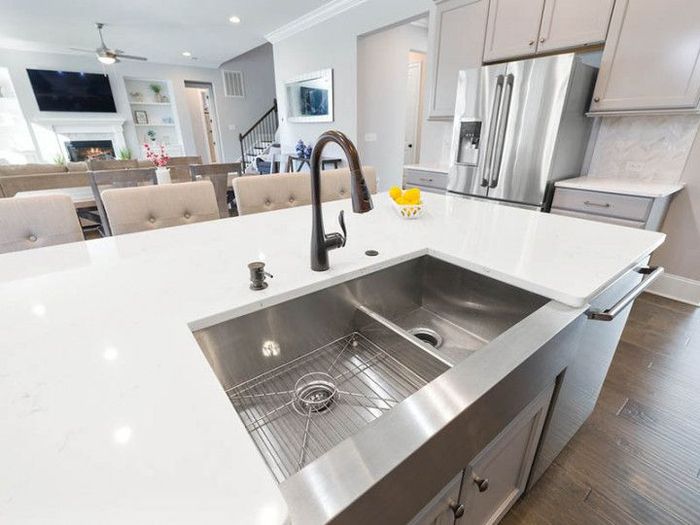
(156, 88)
(160, 161)
(124, 154)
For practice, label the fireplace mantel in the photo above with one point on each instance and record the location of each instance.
(82, 121)
(53, 131)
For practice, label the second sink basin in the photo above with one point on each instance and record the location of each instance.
(306, 374)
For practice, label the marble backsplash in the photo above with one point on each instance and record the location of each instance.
(649, 148)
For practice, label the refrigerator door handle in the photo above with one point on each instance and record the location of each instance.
(498, 93)
(502, 127)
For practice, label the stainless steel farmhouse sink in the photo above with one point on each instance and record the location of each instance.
(306, 374)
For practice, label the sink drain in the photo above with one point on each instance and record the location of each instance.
(427, 336)
(314, 392)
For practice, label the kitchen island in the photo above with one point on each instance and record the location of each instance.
(110, 411)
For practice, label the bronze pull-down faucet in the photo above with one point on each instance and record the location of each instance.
(322, 242)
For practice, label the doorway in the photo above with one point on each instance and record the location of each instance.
(414, 106)
(391, 66)
(205, 129)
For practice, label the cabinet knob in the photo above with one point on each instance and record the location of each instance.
(542, 39)
(481, 483)
(596, 99)
(531, 43)
(457, 509)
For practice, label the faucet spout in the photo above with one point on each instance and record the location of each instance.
(322, 243)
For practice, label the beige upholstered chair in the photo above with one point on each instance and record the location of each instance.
(34, 222)
(258, 193)
(218, 175)
(104, 180)
(152, 207)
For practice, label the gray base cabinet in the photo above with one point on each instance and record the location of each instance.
(494, 480)
(623, 210)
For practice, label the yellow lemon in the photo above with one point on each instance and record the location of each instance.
(412, 196)
(395, 192)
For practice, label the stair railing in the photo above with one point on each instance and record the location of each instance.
(263, 131)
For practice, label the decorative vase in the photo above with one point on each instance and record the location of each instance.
(163, 175)
(300, 148)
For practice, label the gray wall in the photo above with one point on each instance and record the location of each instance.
(234, 114)
(258, 70)
(333, 44)
(18, 61)
(680, 254)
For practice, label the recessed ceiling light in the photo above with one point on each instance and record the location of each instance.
(186, 54)
(234, 20)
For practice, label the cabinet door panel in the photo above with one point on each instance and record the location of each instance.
(573, 23)
(513, 28)
(458, 43)
(504, 465)
(651, 59)
(438, 511)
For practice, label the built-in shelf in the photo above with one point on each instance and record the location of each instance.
(157, 111)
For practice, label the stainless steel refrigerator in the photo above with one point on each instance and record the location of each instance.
(519, 126)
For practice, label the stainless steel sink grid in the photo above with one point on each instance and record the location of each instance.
(302, 409)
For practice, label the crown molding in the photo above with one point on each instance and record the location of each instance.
(312, 18)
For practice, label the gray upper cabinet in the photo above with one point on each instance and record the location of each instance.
(519, 28)
(457, 42)
(513, 28)
(651, 60)
(573, 23)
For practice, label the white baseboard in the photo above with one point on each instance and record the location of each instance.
(677, 288)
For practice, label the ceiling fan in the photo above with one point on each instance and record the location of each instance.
(106, 55)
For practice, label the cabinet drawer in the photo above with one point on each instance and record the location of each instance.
(607, 204)
(431, 179)
(599, 218)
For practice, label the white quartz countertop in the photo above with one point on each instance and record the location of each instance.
(109, 411)
(622, 186)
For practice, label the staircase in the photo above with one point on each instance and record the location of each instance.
(260, 136)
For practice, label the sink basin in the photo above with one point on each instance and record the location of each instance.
(306, 374)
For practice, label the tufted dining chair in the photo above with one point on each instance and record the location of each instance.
(218, 174)
(100, 181)
(152, 207)
(259, 193)
(35, 222)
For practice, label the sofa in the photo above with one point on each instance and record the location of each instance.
(29, 177)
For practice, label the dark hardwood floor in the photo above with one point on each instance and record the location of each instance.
(637, 458)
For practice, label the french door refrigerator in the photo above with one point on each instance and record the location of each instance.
(519, 126)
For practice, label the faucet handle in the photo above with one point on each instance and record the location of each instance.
(341, 221)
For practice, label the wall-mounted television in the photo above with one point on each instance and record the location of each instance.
(72, 91)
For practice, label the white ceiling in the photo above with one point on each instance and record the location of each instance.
(158, 29)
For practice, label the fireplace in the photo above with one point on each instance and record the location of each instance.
(79, 150)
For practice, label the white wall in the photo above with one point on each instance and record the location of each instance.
(333, 44)
(258, 70)
(382, 97)
(231, 116)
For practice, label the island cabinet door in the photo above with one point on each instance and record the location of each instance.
(496, 478)
(444, 507)
(513, 28)
(651, 59)
(572, 23)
